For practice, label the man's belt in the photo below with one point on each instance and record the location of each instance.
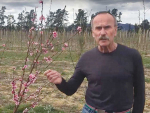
(104, 111)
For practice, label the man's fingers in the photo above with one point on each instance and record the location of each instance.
(51, 75)
(45, 73)
(53, 79)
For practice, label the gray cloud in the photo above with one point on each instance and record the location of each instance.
(95, 5)
(121, 5)
(109, 2)
(19, 4)
(91, 6)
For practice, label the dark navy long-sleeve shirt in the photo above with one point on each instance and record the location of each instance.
(115, 80)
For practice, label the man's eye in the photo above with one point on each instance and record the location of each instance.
(107, 27)
(98, 28)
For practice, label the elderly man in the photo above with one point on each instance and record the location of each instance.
(114, 72)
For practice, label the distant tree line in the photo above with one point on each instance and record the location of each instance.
(56, 20)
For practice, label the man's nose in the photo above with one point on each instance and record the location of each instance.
(103, 32)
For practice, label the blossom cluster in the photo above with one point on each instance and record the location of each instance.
(31, 80)
(15, 96)
(35, 49)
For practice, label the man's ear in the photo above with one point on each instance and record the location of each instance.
(116, 29)
(93, 34)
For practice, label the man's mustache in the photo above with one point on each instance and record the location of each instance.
(103, 38)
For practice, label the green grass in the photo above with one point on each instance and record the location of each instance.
(147, 80)
(9, 57)
(146, 62)
(66, 56)
(15, 55)
(37, 109)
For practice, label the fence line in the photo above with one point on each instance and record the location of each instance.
(79, 43)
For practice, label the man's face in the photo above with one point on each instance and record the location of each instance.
(104, 26)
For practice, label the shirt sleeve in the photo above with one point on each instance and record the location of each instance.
(70, 87)
(139, 85)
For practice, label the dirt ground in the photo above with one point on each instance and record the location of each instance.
(51, 96)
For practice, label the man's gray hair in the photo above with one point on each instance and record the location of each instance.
(103, 12)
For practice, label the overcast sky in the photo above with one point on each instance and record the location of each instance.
(130, 8)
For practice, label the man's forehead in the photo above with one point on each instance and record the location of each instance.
(104, 16)
(106, 19)
(102, 25)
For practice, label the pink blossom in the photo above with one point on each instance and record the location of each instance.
(31, 53)
(25, 84)
(37, 50)
(32, 78)
(42, 45)
(3, 45)
(39, 89)
(26, 90)
(51, 44)
(54, 34)
(65, 44)
(16, 102)
(37, 72)
(47, 41)
(52, 48)
(13, 92)
(13, 82)
(13, 87)
(34, 104)
(48, 59)
(33, 19)
(44, 50)
(25, 66)
(41, 32)
(27, 59)
(32, 28)
(79, 29)
(21, 93)
(14, 68)
(63, 48)
(32, 96)
(25, 111)
(36, 43)
(29, 36)
(36, 62)
(42, 18)
(16, 98)
(41, 1)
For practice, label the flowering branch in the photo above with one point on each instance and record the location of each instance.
(35, 50)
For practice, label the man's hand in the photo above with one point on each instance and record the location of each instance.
(53, 76)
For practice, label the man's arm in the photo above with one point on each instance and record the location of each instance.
(139, 85)
(69, 87)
